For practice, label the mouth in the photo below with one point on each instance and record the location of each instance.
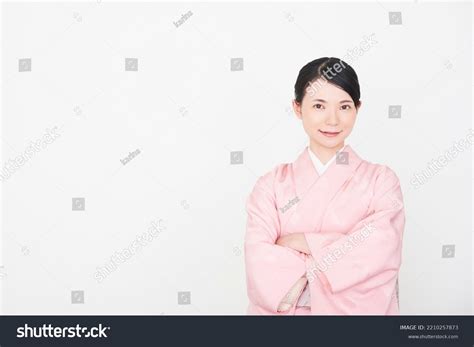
(330, 133)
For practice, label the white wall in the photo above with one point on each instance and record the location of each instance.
(185, 110)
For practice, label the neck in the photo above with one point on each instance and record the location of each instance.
(324, 153)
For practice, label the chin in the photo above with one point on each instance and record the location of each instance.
(329, 143)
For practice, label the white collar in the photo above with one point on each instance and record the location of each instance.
(318, 165)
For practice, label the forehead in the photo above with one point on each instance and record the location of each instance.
(325, 90)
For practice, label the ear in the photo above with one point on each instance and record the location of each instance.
(297, 108)
(358, 107)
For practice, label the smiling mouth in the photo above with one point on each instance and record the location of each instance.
(330, 133)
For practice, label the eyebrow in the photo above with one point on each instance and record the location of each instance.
(322, 100)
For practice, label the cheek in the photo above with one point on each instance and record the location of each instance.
(312, 123)
(348, 120)
(313, 117)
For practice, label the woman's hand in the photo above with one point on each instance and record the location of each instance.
(296, 241)
(293, 295)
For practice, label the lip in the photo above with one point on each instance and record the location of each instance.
(330, 133)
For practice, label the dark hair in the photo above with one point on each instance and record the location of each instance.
(345, 79)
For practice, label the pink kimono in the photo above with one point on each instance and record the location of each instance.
(352, 217)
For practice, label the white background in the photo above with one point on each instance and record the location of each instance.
(185, 110)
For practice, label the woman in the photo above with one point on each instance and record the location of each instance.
(324, 233)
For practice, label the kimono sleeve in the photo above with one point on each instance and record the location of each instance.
(371, 248)
(271, 270)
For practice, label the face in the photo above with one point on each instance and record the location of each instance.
(328, 114)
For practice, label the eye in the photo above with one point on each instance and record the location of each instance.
(316, 106)
(348, 107)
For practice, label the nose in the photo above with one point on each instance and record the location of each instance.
(332, 118)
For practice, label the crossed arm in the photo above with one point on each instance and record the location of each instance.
(296, 241)
(276, 269)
